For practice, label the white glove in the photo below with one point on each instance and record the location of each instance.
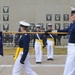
(54, 31)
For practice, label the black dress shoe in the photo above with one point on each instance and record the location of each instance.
(38, 62)
(50, 59)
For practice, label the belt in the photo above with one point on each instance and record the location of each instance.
(38, 40)
(21, 49)
(18, 50)
(52, 39)
(42, 44)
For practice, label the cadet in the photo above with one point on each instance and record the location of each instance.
(22, 56)
(50, 42)
(70, 60)
(38, 44)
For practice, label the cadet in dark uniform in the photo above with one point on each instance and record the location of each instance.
(50, 39)
(70, 60)
(22, 56)
(38, 44)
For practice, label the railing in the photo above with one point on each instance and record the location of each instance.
(9, 37)
(34, 32)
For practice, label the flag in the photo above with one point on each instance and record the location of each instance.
(1, 44)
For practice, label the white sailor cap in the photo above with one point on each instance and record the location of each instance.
(72, 10)
(49, 24)
(23, 23)
(38, 26)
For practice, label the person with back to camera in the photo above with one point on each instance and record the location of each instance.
(22, 57)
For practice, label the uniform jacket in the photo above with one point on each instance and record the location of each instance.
(24, 43)
(49, 36)
(71, 32)
(35, 37)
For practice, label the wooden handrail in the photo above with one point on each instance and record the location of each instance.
(12, 32)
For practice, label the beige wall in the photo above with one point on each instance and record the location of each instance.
(34, 11)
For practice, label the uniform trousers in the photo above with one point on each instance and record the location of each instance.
(27, 66)
(50, 49)
(38, 51)
(70, 60)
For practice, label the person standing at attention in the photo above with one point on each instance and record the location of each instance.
(50, 40)
(38, 43)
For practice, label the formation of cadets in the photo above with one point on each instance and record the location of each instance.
(42, 40)
(39, 42)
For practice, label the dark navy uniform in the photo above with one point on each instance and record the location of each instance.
(22, 58)
(24, 43)
(38, 44)
(70, 61)
(41, 37)
(50, 46)
(50, 41)
(71, 32)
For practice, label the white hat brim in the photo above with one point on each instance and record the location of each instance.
(38, 26)
(72, 9)
(24, 23)
(49, 24)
